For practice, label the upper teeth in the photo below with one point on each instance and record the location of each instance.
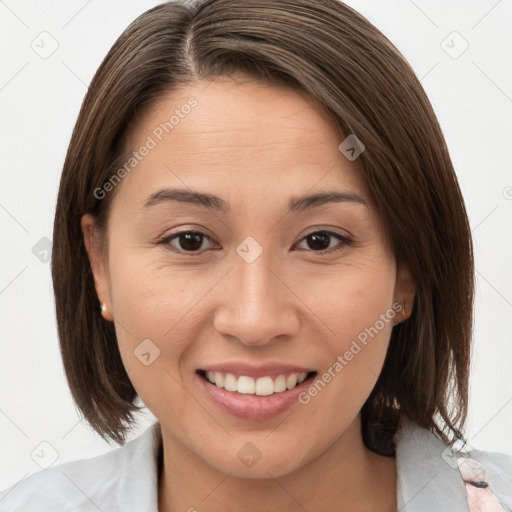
(263, 386)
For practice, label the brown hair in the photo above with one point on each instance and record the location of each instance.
(363, 82)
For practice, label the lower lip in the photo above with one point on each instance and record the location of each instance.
(252, 407)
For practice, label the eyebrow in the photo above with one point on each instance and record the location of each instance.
(216, 203)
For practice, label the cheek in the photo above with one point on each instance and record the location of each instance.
(157, 312)
(356, 310)
(352, 299)
(153, 298)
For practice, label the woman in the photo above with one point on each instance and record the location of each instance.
(258, 199)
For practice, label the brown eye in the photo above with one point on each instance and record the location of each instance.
(320, 241)
(186, 241)
(190, 242)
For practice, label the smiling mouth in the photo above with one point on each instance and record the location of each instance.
(262, 386)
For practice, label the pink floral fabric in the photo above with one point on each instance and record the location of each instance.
(478, 486)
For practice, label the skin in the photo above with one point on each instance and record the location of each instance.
(254, 145)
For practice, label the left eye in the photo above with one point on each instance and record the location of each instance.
(318, 241)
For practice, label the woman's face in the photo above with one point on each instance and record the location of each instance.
(255, 288)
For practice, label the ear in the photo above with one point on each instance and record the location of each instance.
(405, 292)
(97, 258)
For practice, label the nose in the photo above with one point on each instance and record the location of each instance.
(256, 303)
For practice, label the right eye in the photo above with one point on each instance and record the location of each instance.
(186, 242)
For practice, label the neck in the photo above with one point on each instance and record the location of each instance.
(347, 476)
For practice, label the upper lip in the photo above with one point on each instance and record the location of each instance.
(264, 370)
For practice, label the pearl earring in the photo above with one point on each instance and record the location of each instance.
(105, 313)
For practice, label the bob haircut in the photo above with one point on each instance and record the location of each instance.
(367, 87)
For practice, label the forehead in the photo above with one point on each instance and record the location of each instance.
(238, 134)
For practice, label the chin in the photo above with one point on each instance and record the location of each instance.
(251, 457)
(274, 466)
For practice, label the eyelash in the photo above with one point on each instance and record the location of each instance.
(345, 241)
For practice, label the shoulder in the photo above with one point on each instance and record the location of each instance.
(433, 476)
(125, 475)
(488, 479)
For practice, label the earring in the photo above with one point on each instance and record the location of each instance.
(105, 313)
